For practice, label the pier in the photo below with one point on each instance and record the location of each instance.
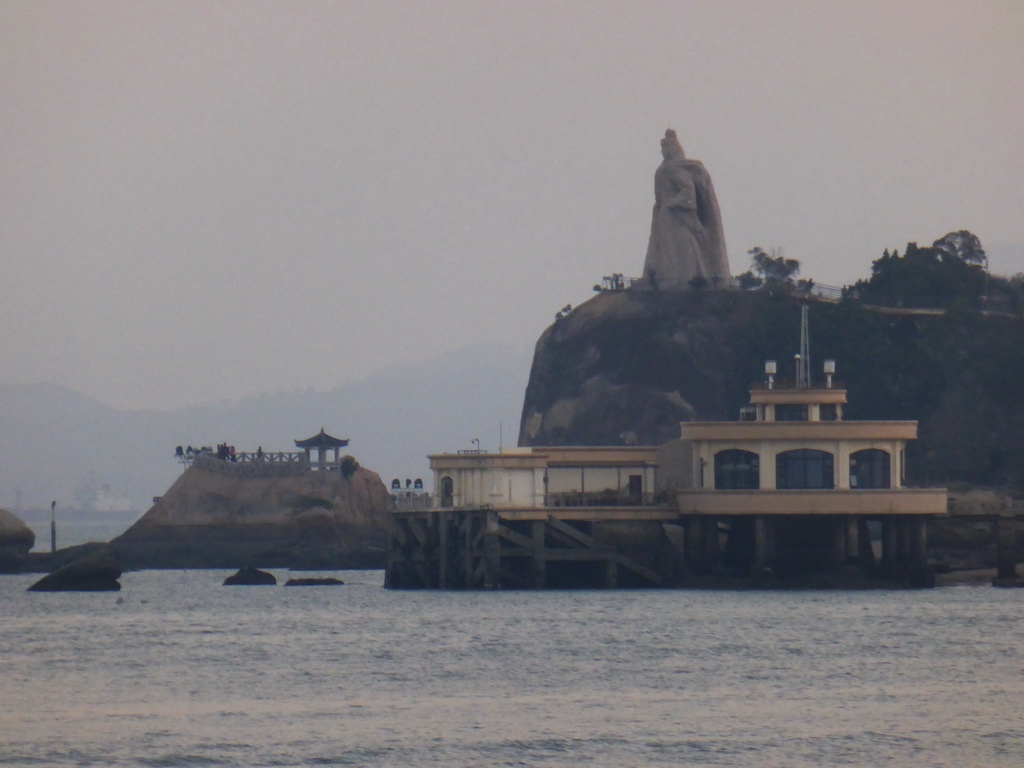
(790, 494)
(529, 549)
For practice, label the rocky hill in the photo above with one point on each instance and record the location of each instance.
(627, 366)
(16, 539)
(215, 518)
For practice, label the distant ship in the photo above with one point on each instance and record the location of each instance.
(98, 497)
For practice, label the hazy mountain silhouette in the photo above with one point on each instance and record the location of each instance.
(54, 439)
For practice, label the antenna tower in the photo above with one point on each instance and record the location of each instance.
(804, 372)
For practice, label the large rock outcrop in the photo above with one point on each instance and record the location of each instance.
(220, 519)
(16, 539)
(628, 366)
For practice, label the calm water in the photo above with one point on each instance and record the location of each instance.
(177, 670)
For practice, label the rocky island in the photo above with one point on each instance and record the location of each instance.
(220, 514)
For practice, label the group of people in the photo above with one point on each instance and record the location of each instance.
(224, 452)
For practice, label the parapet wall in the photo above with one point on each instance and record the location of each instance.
(271, 464)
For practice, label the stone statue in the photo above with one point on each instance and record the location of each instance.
(687, 241)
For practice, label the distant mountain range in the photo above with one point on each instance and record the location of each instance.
(54, 441)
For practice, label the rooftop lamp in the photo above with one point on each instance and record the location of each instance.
(769, 371)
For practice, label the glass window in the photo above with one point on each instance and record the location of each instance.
(827, 412)
(804, 468)
(790, 412)
(737, 470)
(869, 469)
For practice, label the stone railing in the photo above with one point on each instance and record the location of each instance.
(604, 499)
(411, 501)
(276, 463)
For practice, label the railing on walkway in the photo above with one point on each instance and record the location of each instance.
(270, 463)
(412, 501)
(604, 499)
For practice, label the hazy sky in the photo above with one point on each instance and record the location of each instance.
(206, 200)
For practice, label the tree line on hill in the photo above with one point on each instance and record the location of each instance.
(954, 269)
(959, 372)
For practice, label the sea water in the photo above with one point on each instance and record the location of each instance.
(178, 670)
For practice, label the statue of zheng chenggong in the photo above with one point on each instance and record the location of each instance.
(687, 242)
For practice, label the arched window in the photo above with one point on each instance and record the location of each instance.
(869, 469)
(737, 470)
(447, 491)
(804, 468)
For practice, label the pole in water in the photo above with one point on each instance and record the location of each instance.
(53, 526)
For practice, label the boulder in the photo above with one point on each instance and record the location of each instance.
(249, 576)
(313, 582)
(96, 572)
(16, 539)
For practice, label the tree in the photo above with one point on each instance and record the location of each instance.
(963, 245)
(774, 269)
(932, 277)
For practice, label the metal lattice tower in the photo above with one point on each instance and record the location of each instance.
(804, 369)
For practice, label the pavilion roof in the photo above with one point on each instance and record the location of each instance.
(321, 440)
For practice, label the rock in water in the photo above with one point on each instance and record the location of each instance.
(98, 572)
(687, 240)
(326, 581)
(214, 517)
(249, 576)
(16, 539)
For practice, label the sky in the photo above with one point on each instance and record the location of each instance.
(203, 201)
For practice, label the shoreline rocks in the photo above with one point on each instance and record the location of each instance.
(249, 576)
(16, 539)
(98, 571)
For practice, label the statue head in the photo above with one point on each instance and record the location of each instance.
(671, 149)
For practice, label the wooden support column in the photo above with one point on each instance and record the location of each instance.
(889, 542)
(919, 542)
(865, 548)
(709, 545)
(852, 540)
(1006, 560)
(764, 543)
(492, 552)
(611, 574)
(539, 562)
(839, 542)
(903, 538)
(442, 550)
(693, 542)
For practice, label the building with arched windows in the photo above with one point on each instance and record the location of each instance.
(795, 485)
(791, 489)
